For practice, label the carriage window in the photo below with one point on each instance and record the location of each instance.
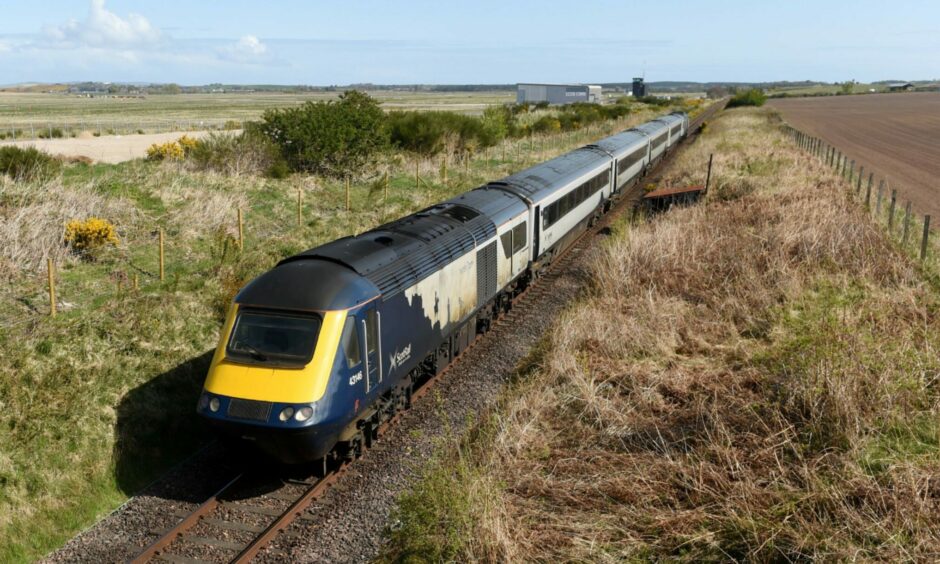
(351, 343)
(519, 237)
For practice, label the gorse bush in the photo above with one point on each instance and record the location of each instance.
(86, 236)
(187, 144)
(27, 164)
(163, 151)
(752, 97)
(332, 138)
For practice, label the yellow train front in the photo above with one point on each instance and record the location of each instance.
(290, 372)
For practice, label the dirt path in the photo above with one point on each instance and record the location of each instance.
(895, 135)
(106, 149)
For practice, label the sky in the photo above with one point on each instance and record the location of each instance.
(466, 42)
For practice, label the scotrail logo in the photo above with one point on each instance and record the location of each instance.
(398, 357)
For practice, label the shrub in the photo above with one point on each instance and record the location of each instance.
(51, 133)
(187, 144)
(419, 132)
(546, 124)
(85, 237)
(163, 151)
(332, 138)
(28, 163)
(247, 153)
(232, 125)
(752, 97)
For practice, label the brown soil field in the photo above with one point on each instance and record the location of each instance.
(895, 135)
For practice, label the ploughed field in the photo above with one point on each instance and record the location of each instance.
(895, 135)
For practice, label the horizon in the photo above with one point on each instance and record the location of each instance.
(295, 43)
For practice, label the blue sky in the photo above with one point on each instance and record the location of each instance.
(483, 41)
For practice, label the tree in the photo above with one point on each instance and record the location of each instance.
(333, 138)
(847, 87)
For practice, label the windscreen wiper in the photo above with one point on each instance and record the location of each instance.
(255, 353)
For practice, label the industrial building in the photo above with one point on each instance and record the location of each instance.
(639, 88)
(557, 93)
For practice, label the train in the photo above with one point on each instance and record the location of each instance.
(320, 351)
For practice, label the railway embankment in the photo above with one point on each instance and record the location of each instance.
(753, 377)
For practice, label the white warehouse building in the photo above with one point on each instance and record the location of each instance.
(557, 93)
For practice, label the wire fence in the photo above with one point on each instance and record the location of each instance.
(157, 261)
(94, 127)
(911, 231)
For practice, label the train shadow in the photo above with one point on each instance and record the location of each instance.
(157, 426)
(163, 449)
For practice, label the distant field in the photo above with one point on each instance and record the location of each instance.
(33, 114)
(858, 88)
(896, 135)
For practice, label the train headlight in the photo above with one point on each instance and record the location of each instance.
(214, 404)
(286, 414)
(304, 413)
(203, 402)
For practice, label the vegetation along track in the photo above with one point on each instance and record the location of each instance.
(254, 506)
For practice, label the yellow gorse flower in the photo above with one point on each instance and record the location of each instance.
(91, 233)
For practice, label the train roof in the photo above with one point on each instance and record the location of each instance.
(615, 144)
(397, 255)
(535, 182)
(288, 286)
(652, 128)
(498, 205)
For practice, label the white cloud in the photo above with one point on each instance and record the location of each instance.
(103, 28)
(251, 45)
(248, 49)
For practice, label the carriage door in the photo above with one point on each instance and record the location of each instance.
(536, 231)
(373, 347)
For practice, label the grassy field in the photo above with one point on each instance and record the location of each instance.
(89, 398)
(821, 89)
(29, 113)
(754, 378)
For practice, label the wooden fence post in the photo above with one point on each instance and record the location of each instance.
(241, 231)
(386, 187)
(881, 191)
(300, 207)
(347, 193)
(907, 222)
(444, 169)
(162, 271)
(51, 276)
(851, 172)
(845, 165)
(861, 173)
(708, 175)
(868, 192)
(136, 282)
(417, 176)
(894, 201)
(923, 241)
(871, 180)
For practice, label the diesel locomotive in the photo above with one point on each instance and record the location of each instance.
(318, 352)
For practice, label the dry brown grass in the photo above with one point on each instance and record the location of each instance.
(755, 378)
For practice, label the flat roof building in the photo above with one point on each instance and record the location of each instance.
(557, 93)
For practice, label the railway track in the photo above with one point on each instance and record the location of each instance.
(252, 507)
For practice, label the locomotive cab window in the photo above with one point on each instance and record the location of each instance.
(351, 343)
(273, 338)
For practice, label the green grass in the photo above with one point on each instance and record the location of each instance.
(33, 113)
(89, 398)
